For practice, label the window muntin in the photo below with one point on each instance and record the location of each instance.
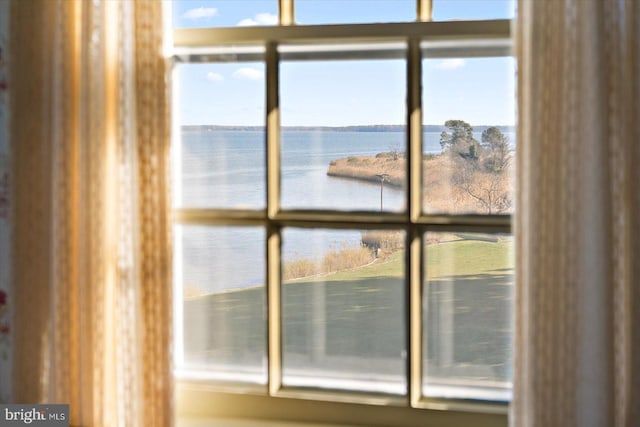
(447, 39)
(244, 13)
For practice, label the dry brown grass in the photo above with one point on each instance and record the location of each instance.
(366, 168)
(346, 258)
(451, 185)
(485, 193)
(300, 267)
(338, 259)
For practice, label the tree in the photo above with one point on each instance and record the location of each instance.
(480, 171)
(473, 151)
(497, 145)
(488, 190)
(460, 140)
(461, 131)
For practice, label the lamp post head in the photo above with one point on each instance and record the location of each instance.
(382, 176)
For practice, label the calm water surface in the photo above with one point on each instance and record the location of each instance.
(224, 169)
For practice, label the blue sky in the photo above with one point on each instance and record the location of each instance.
(339, 93)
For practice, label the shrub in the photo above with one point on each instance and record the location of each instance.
(346, 258)
(338, 259)
(388, 240)
(301, 267)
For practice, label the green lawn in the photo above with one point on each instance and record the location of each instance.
(468, 307)
(454, 258)
(391, 267)
(360, 314)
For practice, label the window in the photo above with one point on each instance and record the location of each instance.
(342, 199)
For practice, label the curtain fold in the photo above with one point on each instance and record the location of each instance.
(578, 222)
(91, 241)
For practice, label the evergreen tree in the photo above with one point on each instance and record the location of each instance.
(460, 140)
(498, 146)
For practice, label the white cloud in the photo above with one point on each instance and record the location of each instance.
(247, 73)
(214, 77)
(200, 13)
(260, 19)
(451, 64)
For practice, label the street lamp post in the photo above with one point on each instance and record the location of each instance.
(382, 177)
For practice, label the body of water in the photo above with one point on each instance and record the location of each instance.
(226, 169)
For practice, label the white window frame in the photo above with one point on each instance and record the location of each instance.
(202, 398)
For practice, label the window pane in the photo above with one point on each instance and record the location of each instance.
(223, 13)
(220, 303)
(343, 310)
(468, 320)
(343, 135)
(219, 160)
(444, 10)
(354, 11)
(469, 135)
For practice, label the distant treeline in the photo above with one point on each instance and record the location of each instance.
(357, 128)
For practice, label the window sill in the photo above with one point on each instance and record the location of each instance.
(202, 405)
(249, 422)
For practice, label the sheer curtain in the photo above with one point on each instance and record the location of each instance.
(578, 224)
(91, 237)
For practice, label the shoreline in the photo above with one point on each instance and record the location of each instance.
(367, 179)
(440, 192)
(368, 169)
